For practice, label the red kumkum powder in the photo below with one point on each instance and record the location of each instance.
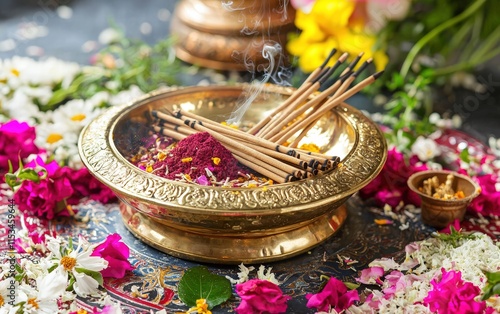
(199, 151)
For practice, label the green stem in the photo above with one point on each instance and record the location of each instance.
(434, 32)
(467, 64)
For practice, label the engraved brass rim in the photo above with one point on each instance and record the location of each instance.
(167, 210)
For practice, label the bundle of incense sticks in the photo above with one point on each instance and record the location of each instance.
(262, 147)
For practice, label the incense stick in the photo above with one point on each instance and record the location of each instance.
(261, 148)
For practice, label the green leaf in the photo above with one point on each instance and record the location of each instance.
(11, 180)
(492, 277)
(351, 285)
(199, 283)
(52, 268)
(455, 237)
(94, 274)
(29, 174)
(464, 155)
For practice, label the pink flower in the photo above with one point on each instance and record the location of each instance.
(16, 141)
(86, 185)
(334, 295)
(260, 296)
(391, 196)
(116, 253)
(453, 295)
(371, 275)
(488, 202)
(45, 199)
(396, 282)
(390, 186)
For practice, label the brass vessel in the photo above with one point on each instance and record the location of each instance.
(439, 213)
(230, 35)
(221, 225)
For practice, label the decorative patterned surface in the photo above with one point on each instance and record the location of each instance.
(157, 274)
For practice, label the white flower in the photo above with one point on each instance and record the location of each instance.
(109, 36)
(22, 71)
(53, 135)
(21, 107)
(242, 275)
(6, 286)
(74, 263)
(425, 148)
(35, 301)
(494, 145)
(75, 114)
(384, 262)
(262, 274)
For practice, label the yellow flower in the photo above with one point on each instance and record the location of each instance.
(332, 14)
(310, 147)
(200, 308)
(332, 24)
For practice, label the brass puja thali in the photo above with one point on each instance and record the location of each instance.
(231, 225)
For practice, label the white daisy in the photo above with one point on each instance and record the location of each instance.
(50, 136)
(12, 71)
(6, 286)
(75, 114)
(49, 72)
(37, 302)
(21, 107)
(76, 263)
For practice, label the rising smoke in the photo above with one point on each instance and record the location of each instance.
(273, 69)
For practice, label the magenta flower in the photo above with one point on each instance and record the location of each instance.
(16, 141)
(488, 202)
(45, 199)
(261, 296)
(371, 275)
(116, 253)
(86, 185)
(390, 186)
(453, 295)
(334, 295)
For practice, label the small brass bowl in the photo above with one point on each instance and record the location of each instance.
(222, 225)
(439, 213)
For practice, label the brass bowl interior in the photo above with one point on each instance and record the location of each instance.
(332, 134)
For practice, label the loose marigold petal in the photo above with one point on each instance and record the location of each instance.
(216, 160)
(382, 222)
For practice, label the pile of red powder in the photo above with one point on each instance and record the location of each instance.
(198, 152)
